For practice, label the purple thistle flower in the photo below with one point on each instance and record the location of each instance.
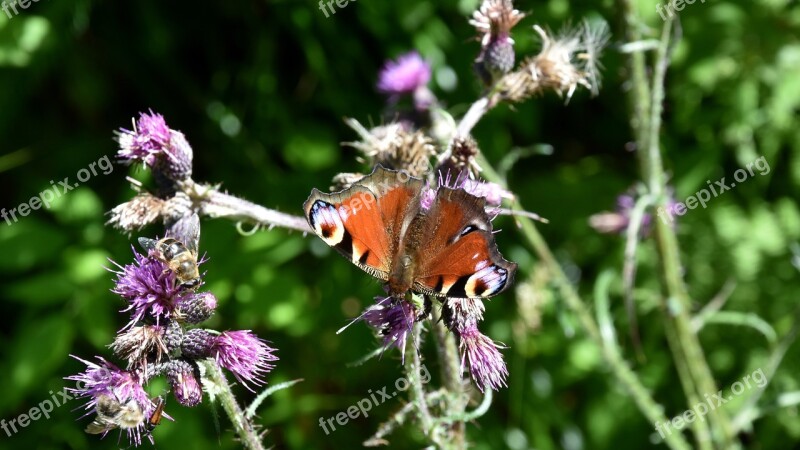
(106, 379)
(404, 75)
(392, 320)
(486, 363)
(608, 222)
(149, 287)
(149, 138)
(244, 354)
(157, 146)
(492, 192)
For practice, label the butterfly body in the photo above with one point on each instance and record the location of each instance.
(380, 225)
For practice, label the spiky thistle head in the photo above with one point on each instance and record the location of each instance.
(493, 22)
(565, 62)
(157, 146)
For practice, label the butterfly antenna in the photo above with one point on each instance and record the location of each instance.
(368, 309)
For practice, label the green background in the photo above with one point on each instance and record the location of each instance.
(260, 90)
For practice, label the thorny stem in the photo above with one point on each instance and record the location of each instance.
(450, 364)
(417, 395)
(646, 102)
(222, 391)
(214, 203)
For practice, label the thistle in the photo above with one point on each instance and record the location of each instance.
(493, 22)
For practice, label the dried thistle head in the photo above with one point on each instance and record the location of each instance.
(462, 152)
(564, 63)
(394, 147)
(137, 213)
(146, 208)
(138, 344)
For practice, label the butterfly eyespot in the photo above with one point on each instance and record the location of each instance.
(327, 222)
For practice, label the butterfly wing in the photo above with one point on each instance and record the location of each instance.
(457, 254)
(365, 222)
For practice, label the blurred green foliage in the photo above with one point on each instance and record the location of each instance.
(260, 90)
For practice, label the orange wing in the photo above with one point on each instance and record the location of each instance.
(458, 255)
(365, 222)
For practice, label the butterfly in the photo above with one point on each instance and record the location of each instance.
(380, 225)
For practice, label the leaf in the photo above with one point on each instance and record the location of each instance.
(251, 410)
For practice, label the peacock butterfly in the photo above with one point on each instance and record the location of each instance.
(446, 249)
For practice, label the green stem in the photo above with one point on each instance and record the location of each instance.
(222, 391)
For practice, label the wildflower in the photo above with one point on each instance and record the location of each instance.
(493, 22)
(486, 363)
(404, 75)
(158, 147)
(392, 320)
(243, 353)
(619, 220)
(150, 288)
(104, 380)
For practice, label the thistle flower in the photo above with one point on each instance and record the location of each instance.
(618, 221)
(563, 64)
(158, 147)
(405, 75)
(392, 320)
(493, 21)
(458, 311)
(243, 353)
(106, 379)
(492, 192)
(150, 288)
(486, 363)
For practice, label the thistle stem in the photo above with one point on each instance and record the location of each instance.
(214, 203)
(646, 102)
(222, 391)
(450, 364)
